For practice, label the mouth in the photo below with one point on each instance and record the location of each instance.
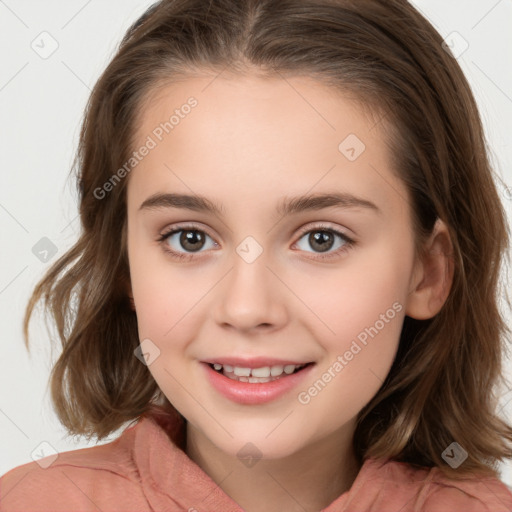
(257, 381)
(258, 375)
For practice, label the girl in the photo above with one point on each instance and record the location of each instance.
(287, 279)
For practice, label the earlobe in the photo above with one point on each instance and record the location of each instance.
(433, 275)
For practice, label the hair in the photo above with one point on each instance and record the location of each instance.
(442, 386)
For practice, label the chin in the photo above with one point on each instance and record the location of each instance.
(250, 442)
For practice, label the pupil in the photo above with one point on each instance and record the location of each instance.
(191, 240)
(322, 239)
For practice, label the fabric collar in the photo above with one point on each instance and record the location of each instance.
(169, 476)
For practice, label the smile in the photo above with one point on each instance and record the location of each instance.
(258, 384)
(256, 375)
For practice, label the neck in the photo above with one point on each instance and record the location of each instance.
(309, 479)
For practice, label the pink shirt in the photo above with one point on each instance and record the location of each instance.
(143, 470)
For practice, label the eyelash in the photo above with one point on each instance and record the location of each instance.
(349, 243)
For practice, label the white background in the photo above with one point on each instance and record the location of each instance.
(41, 104)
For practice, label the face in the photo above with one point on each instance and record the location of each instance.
(250, 277)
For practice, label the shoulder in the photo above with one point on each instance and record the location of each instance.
(99, 477)
(473, 494)
(428, 490)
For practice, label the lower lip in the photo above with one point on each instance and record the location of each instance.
(254, 393)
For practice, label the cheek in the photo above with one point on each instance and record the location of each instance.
(164, 301)
(364, 292)
(366, 322)
(362, 308)
(164, 295)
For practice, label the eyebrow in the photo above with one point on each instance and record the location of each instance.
(287, 206)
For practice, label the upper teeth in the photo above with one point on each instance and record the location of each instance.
(265, 371)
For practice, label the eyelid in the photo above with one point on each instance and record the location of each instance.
(324, 225)
(183, 226)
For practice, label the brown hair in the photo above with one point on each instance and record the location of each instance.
(441, 387)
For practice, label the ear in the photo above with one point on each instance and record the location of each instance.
(432, 276)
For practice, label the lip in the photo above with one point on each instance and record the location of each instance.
(253, 362)
(254, 393)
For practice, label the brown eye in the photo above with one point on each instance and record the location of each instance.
(192, 240)
(184, 241)
(321, 240)
(325, 242)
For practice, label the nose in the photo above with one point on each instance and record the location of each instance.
(251, 298)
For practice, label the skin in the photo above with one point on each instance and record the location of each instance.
(248, 144)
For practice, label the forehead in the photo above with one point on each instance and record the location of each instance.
(261, 136)
(291, 106)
